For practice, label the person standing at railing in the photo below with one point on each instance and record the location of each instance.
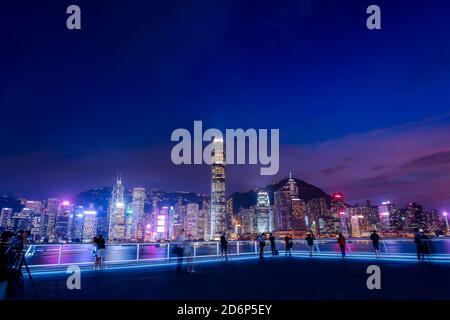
(224, 246)
(376, 243)
(310, 241)
(262, 244)
(94, 252)
(189, 254)
(288, 244)
(101, 247)
(179, 250)
(342, 242)
(272, 245)
(418, 240)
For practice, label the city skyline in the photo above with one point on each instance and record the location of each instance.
(129, 188)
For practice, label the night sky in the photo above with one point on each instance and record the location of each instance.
(363, 112)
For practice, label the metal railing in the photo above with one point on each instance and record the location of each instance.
(56, 255)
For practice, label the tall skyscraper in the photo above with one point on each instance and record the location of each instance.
(385, 211)
(51, 211)
(249, 221)
(5, 217)
(263, 212)
(116, 213)
(282, 218)
(63, 223)
(138, 214)
(218, 200)
(90, 225)
(192, 220)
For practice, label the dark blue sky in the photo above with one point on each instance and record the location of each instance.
(79, 106)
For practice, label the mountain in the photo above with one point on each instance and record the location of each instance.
(306, 192)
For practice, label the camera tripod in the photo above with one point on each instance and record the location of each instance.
(20, 261)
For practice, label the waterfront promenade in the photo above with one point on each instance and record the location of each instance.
(278, 277)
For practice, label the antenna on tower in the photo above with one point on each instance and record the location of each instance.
(290, 174)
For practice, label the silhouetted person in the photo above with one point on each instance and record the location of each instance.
(101, 247)
(342, 242)
(288, 244)
(310, 242)
(261, 243)
(272, 244)
(94, 252)
(376, 243)
(224, 246)
(189, 254)
(179, 250)
(418, 240)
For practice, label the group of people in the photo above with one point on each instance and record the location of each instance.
(98, 251)
(184, 248)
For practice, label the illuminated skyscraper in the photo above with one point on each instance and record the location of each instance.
(263, 212)
(5, 218)
(63, 223)
(90, 224)
(218, 200)
(116, 213)
(292, 187)
(282, 218)
(385, 212)
(192, 220)
(249, 221)
(76, 225)
(51, 212)
(138, 214)
(299, 220)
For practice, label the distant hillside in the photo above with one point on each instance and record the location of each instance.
(306, 192)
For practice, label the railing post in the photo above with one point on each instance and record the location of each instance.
(195, 249)
(168, 251)
(385, 248)
(137, 252)
(237, 247)
(256, 247)
(59, 255)
(348, 247)
(317, 247)
(217, 249)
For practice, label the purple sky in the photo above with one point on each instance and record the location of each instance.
(400, 164)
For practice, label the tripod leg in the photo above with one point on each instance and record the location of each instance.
(31, 279)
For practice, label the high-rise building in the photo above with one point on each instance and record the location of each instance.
(192, 220)
(77, 221)
(249, 221)
(21, 220)
(299, 220)
(218, 200)
(116, 213)
(282, 217)
(415, 217)
(354, 222)
(340, 221)
(89, 225)
(5, 217)
(385, 211)
(63, 222)
(161, 224)
(51, 212)
(138, 215)
(263, 212)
